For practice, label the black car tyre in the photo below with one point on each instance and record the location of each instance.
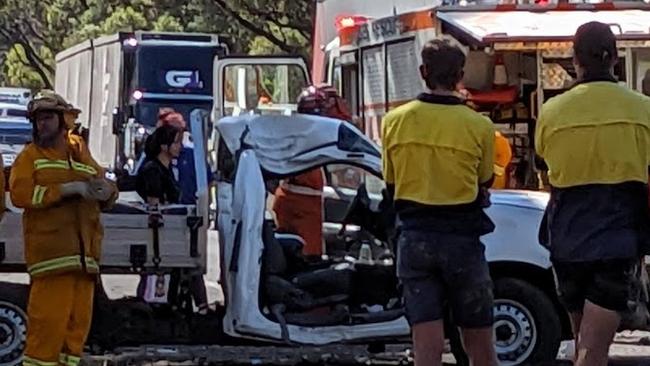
(527, 326)
(13, 333)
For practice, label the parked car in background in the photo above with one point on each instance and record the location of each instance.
(20, 96)
(10, 112)
(14, 134)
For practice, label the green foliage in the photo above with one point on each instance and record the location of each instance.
(18, 72)
(167, 23)
(33, 31)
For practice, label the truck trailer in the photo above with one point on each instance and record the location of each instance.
(122, 81)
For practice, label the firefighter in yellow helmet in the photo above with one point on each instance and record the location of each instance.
(61, 189)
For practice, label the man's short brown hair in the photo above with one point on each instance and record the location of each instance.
(442, 64)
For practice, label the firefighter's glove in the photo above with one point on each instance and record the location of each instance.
(100, 189)
(72, 189)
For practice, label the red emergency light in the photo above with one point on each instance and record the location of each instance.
(349, 21)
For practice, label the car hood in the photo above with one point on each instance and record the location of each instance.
(525, 199)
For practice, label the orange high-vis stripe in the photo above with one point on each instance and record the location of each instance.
(416, 21)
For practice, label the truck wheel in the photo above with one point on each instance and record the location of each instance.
(526, 324)
(13, 334)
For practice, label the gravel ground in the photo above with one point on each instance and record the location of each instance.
(626, 352)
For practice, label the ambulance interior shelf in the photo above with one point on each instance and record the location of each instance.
(504, 108)
(558, 74)
(508, 105)
(494, 100)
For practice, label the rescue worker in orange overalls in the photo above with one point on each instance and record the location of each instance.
(61, 189)
(298, 203)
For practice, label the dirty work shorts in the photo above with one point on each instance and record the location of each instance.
(445, 268)
(609, 283)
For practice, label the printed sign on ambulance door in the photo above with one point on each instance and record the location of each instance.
(404, 81)
(374, 91)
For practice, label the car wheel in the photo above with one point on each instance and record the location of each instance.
(13, 334)
(527, 326)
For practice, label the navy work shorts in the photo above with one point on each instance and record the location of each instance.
(436, 269)
(610, 283)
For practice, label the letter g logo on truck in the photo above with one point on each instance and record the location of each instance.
(183, 79)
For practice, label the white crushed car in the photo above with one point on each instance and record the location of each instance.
(268, 299)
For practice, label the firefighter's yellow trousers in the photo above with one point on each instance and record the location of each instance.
(59, 316)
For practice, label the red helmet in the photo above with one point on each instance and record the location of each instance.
(168, 116)
(323, 100)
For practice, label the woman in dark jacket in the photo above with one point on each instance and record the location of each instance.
(155, 182)
(157, 185)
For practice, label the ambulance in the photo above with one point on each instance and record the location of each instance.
(518, 56)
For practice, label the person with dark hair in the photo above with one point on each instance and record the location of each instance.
(595, 140)
(438, 157)
(157, 185)
(184, 166)
(155, 182)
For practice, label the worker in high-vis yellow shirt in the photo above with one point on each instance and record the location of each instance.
(595, 140)
(61, 189)
(438, 161)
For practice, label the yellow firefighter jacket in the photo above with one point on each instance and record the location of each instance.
(60, 234)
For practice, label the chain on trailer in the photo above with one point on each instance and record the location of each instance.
(155, 223)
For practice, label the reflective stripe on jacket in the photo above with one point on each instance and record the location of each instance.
(60, 234)
(303, 190)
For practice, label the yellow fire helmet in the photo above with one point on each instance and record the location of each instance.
(48, 100)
